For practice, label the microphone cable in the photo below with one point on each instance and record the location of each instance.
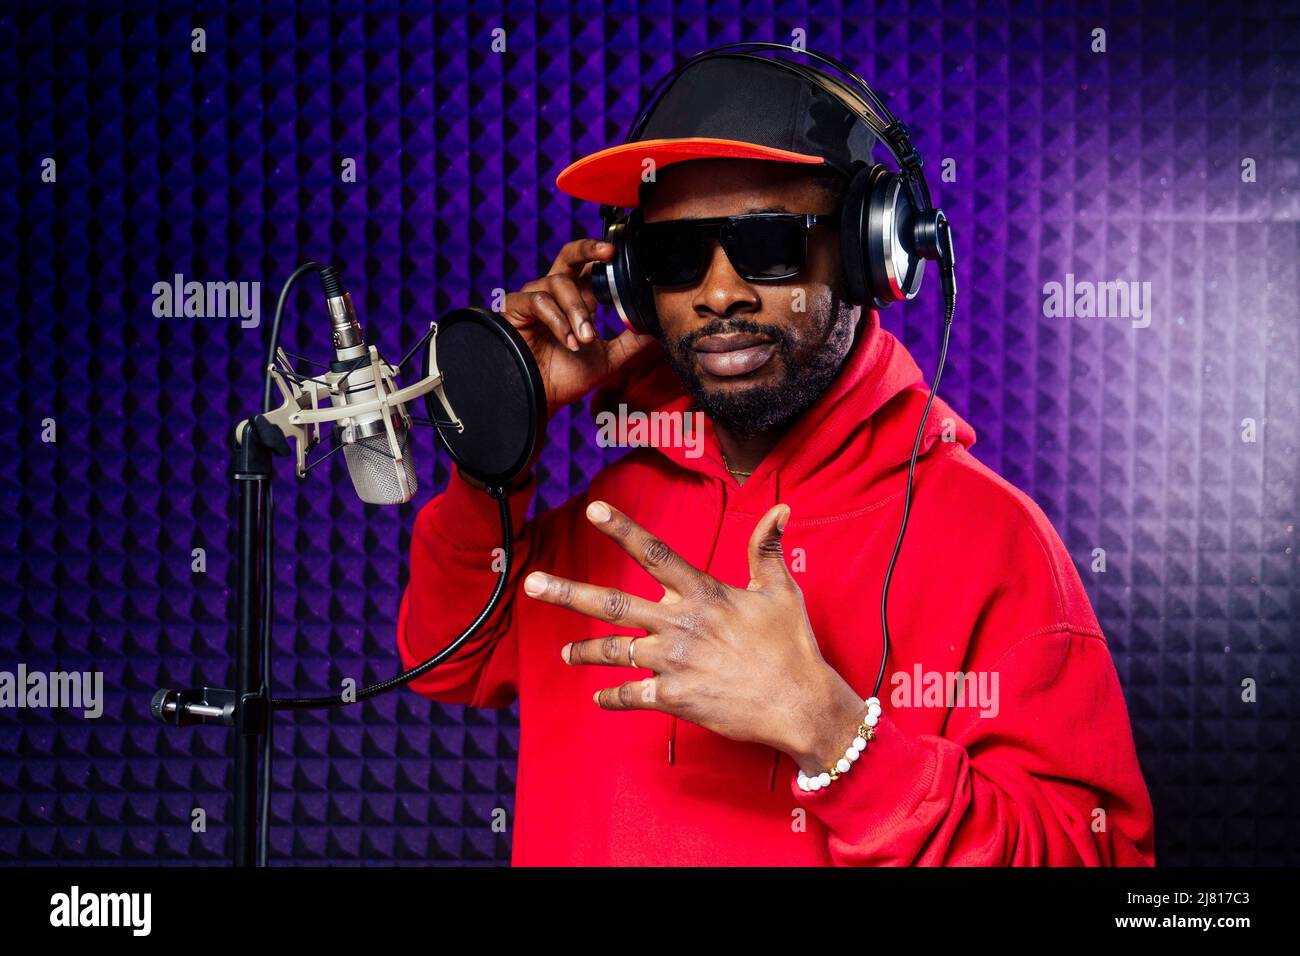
(507, 547)
(268, 584)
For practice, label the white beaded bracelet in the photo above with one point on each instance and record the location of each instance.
(866, 732)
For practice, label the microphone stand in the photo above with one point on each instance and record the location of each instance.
(252, 476)
(243, 708)
(248, 707)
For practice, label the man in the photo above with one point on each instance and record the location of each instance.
(693, 639)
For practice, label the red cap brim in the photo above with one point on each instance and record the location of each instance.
(613, 176)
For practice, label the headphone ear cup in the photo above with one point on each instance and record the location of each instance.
(853, 229)
(621, 282)
(640, 292)
(881, 264)
(894, 267)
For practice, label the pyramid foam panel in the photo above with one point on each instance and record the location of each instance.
(1170, 445)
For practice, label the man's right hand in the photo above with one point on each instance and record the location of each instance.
(556, 315)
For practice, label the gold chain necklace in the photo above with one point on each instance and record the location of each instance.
(734, 473)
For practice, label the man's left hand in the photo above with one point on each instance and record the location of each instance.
(742, 663)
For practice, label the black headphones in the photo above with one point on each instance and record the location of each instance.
(888, 224)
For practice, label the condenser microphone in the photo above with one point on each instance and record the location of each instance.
(379, 475)
(479, 381)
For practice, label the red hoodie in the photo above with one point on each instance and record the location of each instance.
(1039, 768)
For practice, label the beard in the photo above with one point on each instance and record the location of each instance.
(764, 407)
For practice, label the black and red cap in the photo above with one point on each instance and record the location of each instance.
(732, 106)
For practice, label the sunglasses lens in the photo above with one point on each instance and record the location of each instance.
(767, 248)
(670, 253)
(673, 252)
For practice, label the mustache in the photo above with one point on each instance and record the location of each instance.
(778, 334)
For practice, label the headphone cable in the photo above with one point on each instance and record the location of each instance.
(946, 264)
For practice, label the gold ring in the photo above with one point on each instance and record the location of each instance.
(631, 657)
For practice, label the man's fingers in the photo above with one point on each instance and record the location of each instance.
(634, 695)
(605, 604)
(540, 305)
(583, 282)
(576, 254)
(767, 567)
(663, 563)
(571, 301)
(612, 651)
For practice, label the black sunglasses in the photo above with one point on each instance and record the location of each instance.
(762, 246)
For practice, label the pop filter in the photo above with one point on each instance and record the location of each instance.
(492, 381)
